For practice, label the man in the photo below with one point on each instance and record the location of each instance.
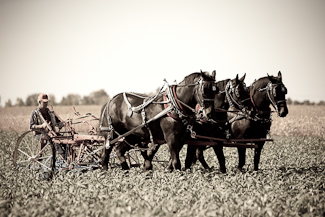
(42, 116)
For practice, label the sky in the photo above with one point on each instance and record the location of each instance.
(79, 46)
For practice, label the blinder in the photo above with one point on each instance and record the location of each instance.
(271, 89)
(235, 90)
(202, 88)
(275, 87)
(230, 90)
(201, 96)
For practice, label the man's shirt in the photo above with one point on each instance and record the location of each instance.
(35, 119)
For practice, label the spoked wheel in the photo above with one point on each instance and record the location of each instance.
(33, 152)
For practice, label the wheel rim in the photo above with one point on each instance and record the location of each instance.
(28, 154)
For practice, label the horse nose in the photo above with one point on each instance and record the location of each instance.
(283, 112)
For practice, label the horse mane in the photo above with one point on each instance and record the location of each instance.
(262, 82)
(189, 79)
(222, 83)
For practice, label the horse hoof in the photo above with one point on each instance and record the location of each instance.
(168, 171)
(146, 169)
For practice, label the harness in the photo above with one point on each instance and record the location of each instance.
(232, 102)
(170, 97)
(271, 91)
(241, 110)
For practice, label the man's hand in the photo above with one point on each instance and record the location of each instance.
(41, 126)
(44, 125)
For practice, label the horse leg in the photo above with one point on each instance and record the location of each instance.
(218, 150)
(174, 148)
(200, 156)
(169, 165)
(120, 152)
(242, 157)
(173, 132)
(190, 156)
(105, 157)
(147, 165)
(148, 156)
(257, 155)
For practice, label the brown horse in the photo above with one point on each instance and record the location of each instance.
(264, 92)
(232, 93)
(130, 119)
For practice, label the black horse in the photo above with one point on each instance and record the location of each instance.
(264, 92)
(232, 93)
(130, 118)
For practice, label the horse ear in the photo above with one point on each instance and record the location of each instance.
(270, 78)
(236, 79)
(214, 74)
(280, 75)
(242, 78)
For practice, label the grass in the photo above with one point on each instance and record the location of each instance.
(289, 183)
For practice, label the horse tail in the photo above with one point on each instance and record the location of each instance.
(103, 123)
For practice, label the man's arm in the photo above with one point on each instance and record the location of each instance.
(33, 123)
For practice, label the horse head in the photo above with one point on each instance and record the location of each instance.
(277, 95)
(232, 92)
(270, 90)
(204, 94)
(198, 90)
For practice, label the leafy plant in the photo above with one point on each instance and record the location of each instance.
(290, 183)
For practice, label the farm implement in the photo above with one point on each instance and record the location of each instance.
(40, 151)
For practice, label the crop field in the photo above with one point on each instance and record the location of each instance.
(290, 181)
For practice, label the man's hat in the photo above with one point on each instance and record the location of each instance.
(43, 97)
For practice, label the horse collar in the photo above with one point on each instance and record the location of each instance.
(177, 100)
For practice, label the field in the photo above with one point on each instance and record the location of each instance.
(289, 183)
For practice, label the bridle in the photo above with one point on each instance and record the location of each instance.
(202, 100)
(271, 93)
(199, 92)
(230, 90)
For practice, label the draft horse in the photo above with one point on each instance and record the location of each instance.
(163, 118)
(232, 93)
(263, 92)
